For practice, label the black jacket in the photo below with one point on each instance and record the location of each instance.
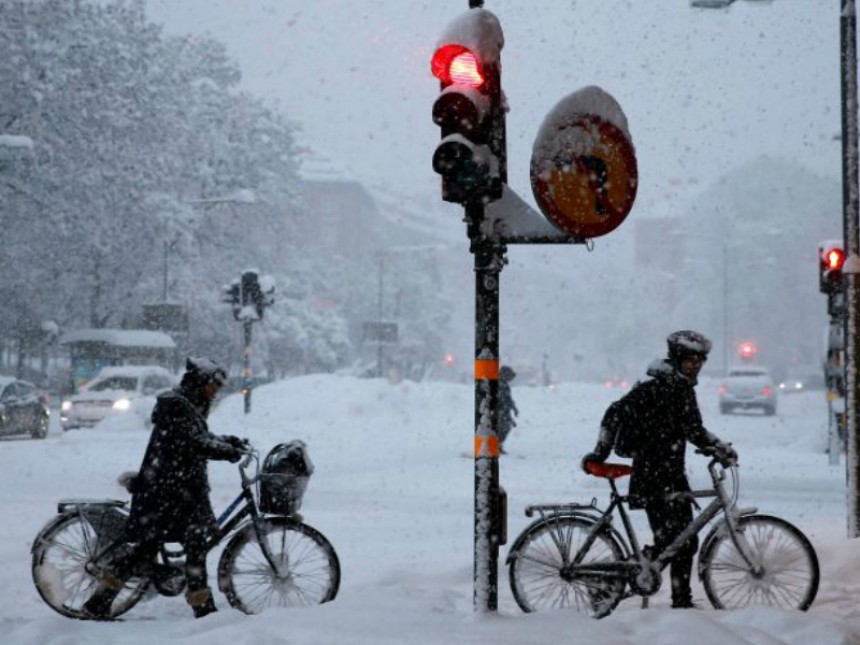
(507, 407)
(171, 492)
(667, 416)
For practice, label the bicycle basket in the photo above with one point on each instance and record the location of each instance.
(284, 478)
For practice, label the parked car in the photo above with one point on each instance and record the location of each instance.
(746, 388)
(617, 382)
(23, 409)
(801, 380)
(115, 390)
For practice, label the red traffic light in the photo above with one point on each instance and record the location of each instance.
(834, 259)
(747, 349)
(456, 64)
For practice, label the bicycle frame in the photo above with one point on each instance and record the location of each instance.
(639, 562)
(227, 522)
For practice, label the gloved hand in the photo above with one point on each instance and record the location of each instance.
(725, 454)
(235, 456)
(236, 442)
(591, 456)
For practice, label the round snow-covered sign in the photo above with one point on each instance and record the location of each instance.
(583, 168)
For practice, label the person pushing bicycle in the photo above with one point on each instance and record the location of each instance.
(170, 494)
(652, 424)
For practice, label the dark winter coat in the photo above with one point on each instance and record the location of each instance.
(507, 409)
(171, 492)
(667, 416)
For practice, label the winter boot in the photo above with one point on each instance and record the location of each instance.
(685, 604)
(98, 607)
(201, 602)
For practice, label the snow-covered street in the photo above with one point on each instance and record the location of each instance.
(393, 492)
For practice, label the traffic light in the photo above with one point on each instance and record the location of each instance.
(258, 292)
(830, 262)
(265, 294)
(232, 295)
(250, 288)
(747, 350)
(470, 109)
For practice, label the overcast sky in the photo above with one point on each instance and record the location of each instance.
(703, 90)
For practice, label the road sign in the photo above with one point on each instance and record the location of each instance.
(583, 170)
(380, 332)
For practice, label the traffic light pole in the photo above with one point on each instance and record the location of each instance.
(850, 211)
(489, 507)
(246, 364)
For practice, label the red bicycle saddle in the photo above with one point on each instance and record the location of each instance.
(609, 471)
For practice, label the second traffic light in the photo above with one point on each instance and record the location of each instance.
(830, 262)
(470, 110)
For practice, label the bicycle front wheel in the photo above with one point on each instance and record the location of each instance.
(783, 572)
(67, 558)
(540, 561)
(307, 570)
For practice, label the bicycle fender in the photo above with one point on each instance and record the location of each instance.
(49, 526)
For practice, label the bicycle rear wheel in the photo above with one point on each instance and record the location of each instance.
(308, 570)
(539, 562)
(784, 571)
(67, 558)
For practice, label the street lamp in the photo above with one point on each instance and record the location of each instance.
(239, 196)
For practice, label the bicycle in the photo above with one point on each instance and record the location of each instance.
(272, 558)
(573, 556)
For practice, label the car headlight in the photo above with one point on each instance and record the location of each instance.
(65, 406)
(122, 404)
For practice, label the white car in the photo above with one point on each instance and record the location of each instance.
(748, 387)
(115, 390)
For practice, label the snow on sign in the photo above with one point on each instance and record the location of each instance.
(583, 168)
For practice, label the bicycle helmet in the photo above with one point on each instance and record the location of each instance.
(685, 343)
(507, 373)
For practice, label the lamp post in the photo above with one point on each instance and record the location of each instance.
(239, 196)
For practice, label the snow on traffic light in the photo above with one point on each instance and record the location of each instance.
(470, 109)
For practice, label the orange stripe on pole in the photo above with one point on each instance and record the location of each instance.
(486, 447)
(488, 370)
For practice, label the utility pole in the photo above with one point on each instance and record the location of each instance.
(851, 269)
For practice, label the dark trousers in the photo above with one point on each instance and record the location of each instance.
(668, 519)
(141, 559)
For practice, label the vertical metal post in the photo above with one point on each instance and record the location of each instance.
(726, 336)
(489, 258)
(379, 316)
(246, 364)
(165, 267)
(850, 210)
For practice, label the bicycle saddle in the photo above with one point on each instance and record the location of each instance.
(609, 471)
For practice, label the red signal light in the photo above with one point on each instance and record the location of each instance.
(747, 349)
(456, 64)
(834, 259)
(449, 359)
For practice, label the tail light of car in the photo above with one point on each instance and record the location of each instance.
(721, 390)
(767, 391)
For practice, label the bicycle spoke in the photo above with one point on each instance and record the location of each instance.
(784, 572)
(539, 577)
(303, 573)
